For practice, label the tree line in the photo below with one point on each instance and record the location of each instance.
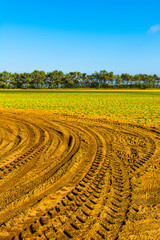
(57, 79)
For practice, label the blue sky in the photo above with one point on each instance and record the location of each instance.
(86, 36)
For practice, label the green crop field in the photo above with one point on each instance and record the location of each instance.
(135, 106)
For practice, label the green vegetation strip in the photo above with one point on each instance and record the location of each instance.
(135, 106)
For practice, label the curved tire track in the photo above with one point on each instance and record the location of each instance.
(73, 174)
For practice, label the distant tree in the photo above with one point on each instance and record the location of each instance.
(158, 82)
(24, 80)
(111, 78)
(57, 79)
(104, 78)
(15, 81)
(38, 78)
(137, 79)
(4, 79)
(75, 78)
(126, 78)
(69, 83)
(149, 80)
(84, 81)
(155, 79)
(118, 80)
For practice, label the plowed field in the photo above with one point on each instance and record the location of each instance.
(66, 177)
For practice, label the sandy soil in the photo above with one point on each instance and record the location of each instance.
(64, 177)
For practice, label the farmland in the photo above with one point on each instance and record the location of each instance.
(135, 106)
(79, 164)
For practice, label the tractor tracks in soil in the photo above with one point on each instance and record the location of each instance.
(65, 177)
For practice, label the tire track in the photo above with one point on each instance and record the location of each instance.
(84, 168)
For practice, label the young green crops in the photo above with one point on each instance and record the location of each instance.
(135, 106)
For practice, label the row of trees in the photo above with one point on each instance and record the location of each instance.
(57, 79)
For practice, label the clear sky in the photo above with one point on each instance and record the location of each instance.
(85, 35)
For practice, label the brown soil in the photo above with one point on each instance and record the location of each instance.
(64, 177)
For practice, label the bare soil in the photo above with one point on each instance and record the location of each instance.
(64, 177)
